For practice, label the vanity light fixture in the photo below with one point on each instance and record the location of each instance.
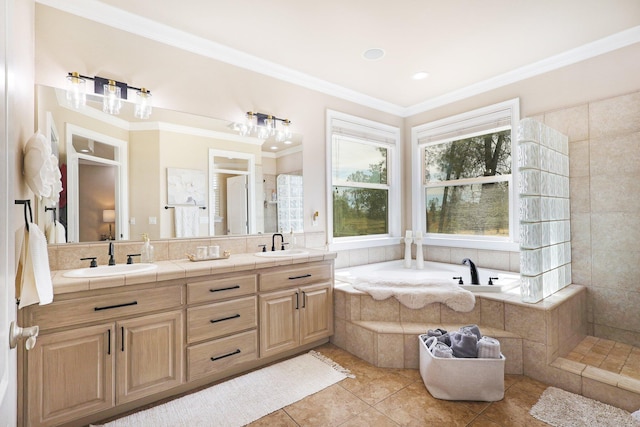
(264, 126)
(113, 93)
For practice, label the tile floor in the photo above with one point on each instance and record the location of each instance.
(384, 397)
(609, 355)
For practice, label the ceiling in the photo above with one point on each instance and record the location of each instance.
(466, 46)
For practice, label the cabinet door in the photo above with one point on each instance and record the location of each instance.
(316, 312)
(279, 322)
(150, 355)
(70, 374)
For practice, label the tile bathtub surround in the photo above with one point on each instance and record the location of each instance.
(604, 155)
(545, 236)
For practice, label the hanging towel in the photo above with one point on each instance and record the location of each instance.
(187, 221)
(56, 233)
(33, 277)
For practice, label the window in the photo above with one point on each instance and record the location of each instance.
(465, 185)
(363, 178)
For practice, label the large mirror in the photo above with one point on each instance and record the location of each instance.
(172, 175)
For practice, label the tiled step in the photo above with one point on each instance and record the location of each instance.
(608, 371)
(395, 344)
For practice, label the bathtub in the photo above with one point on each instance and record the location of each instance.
(434, 283)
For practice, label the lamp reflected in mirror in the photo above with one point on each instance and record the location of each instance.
(109, 217)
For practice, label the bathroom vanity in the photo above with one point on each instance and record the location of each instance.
(110, 345)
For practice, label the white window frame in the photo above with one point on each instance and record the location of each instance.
(458, 127)
(379, 134)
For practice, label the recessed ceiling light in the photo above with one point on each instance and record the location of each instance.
(288, 141)
(273, 147)
(373, 54)
(420, 75)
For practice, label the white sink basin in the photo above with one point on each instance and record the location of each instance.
(285, 253)
(110, 270)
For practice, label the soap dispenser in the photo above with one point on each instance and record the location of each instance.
(147, 249)
(292, 239)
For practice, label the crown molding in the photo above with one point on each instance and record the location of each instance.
(117, 18)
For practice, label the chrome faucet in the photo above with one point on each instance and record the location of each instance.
(273, 241)
(112, 260)
(474, 271)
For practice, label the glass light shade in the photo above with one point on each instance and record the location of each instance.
(109, 215)
(112, 101)
(286, 127)
(142, 109)
(263, 132)
(76, 91)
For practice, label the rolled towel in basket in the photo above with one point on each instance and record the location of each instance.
(488, 348)
(438, 349)
(474, 329)
(464, 344)
(441, 334)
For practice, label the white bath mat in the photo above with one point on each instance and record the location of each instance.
(561, 408)
(244, 399)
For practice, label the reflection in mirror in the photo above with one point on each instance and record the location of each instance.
(289, 203)
(137, 157)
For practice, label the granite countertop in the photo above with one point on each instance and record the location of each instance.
(181, 269)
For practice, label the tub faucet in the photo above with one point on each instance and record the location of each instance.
(273, 241)
(474, 271)
(112, 260)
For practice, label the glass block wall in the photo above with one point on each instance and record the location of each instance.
(545, 238)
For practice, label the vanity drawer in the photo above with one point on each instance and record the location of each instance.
(298, 276)
(216, 356)
(219, 289)
(222, 318)
(104, 307)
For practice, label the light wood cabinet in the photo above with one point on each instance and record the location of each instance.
(221, 334)
(150, 355)
(294, 317)
(79, 368)
(101, 352)
(71, 374)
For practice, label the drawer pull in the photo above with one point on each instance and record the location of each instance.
(304, 299)
(235, 316)
(213, 359)
(108, 307)
(225, 289)
(300, 277)
(109, 342)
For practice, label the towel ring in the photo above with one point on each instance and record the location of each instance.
(53, 212)
(27, 204)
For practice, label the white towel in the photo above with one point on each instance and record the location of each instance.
(488, 348)
(187, 220)
(33, 278)
(56, 233)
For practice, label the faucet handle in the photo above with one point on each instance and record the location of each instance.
(460, 282)
(264, 248)
(130, 258)
(282, 245)
(94, 263)
(491, 279)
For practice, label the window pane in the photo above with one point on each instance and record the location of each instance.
(359, 162)
(359, 211)
(477, 209)
(484, 155)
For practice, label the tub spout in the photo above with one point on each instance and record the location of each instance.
(473, 269)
